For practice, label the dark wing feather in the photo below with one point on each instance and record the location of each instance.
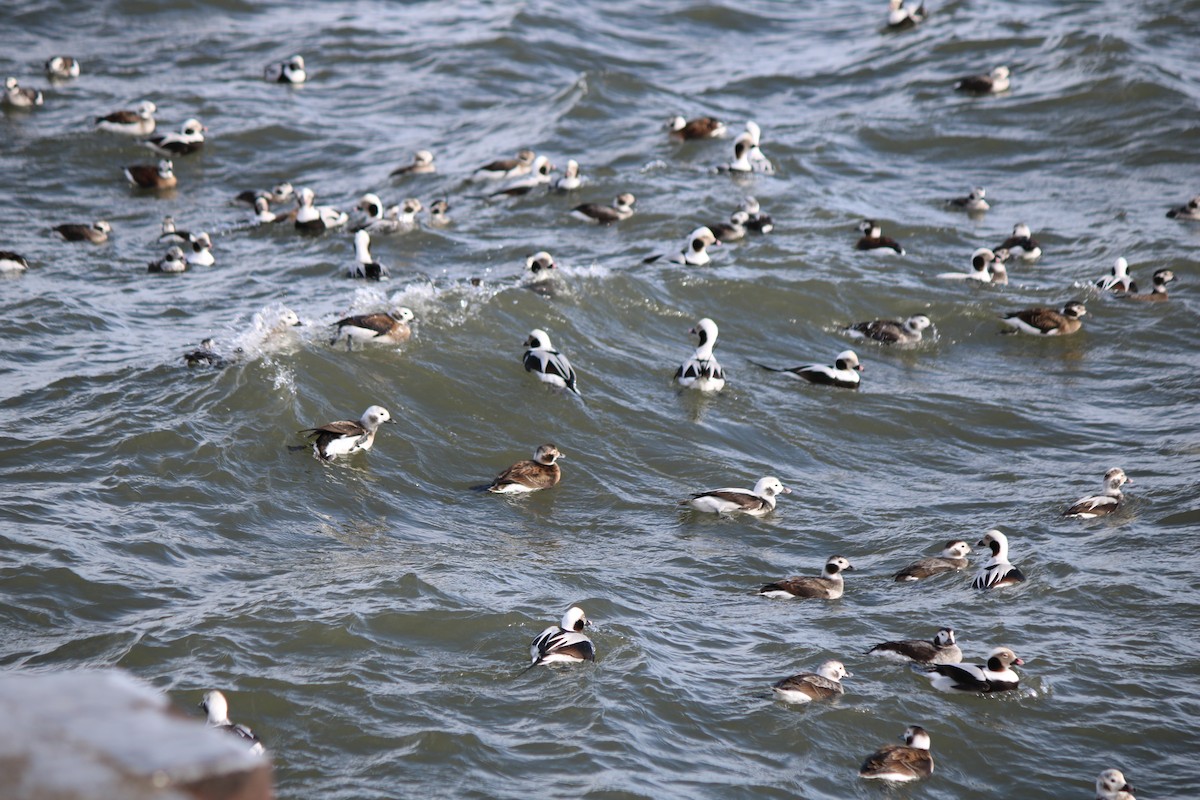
(380, 323)
(965, 677)
(529, 473)
(743, 500)
(121, 117)
(1044, 319)
(341, 427)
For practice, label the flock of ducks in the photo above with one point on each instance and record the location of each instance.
(939, 659)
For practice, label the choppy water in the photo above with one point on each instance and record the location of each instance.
(370, 618)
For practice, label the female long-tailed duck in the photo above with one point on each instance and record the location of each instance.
(698, 128)
(1046, 321)
(543, 275)
(742, 146)
(973, 203)
(621, 209)
(507, 167)
(438, 213)
(131, 123)
(758, 161)
(205, 354)
(901, 17)
(986, 266)
(364, 265)
(896, 763)
(756, 502)
(217, 708)
(1118, 279)
(345, 437)
(1158, 293)
(18, 97)
(1111, 785)
(372, 209)
(694, 252)
(873, 239)
(539, 175)
(422, 164)
(96, 233)
(732, 231)
(158, 177)
(11, 263)
(570, 179)
(824, 684)
(290, 71)
(941, 649)
(1105, 503)
(998, 571)
(530, 475)
(758, 221)
(311, 218)
(277, 194)
(890, 331)
(381, 328)
(547, 364)
(403, 217)
(994, 676)
(188, 140)
(173, 262)
(1189, 210)
(1022, 243)
(62, 68)
(843, 373)
(953, 558)
(702, 372)
(994, 82)
(827, 586)
(565, 643)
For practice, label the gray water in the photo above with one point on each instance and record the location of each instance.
(370, 618)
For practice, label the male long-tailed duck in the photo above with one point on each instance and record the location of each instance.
(422, 164)
(543, 275)
(403, 217)
(973, 203)
(188, 140)
(824, 684)
(994, 82)
(998, 571)
(570, 179)
(62, 68)
(1105, 503)
(217, 708)
(621, 209)
(890, 331)
(1118, 279)
(172, 263)
(758, 221)
(1022, 243)
(311, 218)
(941, 649)
(158, 177)
(502, 168)
(290, 71)
(96, 233)
(953, 558)
(1111, 785)
(1046, 321)
(438, 213)
(896, 763)
(345, 437)
(530, 475)
(985, 265)
(901, 17)
(547, 364)
(1158, 293)
(702, 372)
(1189, 210)
(277, 194)
(372, 209)
(262, 211)
(565, 643)
(694, 252)
(18, 97)
(873, 239)
(205, 354)
(364, 265)
(843, 373)
(994, 676)
(758, 161)
(698, 128)
(131, 123)
(201, 250)
(382, 328)
(827, 586)
(11, 263)
(539, 175)
(756, 502)
(732, 231)
(742, 147)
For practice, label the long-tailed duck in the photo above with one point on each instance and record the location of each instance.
(732, 231)
(173, 262)
(756, 502)
(1189, 210)
(702, 372)
(973, 203)
(873, 239)
(11, 263)
(381, 328)
(565, 643)
(279, 193)
(758, 221)
(1118, 279)
(758, 161)
(953, 558)
(994, 676)
(1105, 503)
(18, 97)
(694, 252)
(1022, 243)
(205, 354)
(998, 571)
(902, 18)
(994, 82)
(543, 275)
(422, 164)
(1158, 292)
(530, 475)
(547, 364)
(312, 218)
(290, 71)
(890, 331)
(364, 265)
(188, 140)
(843, 373)
(1046, 321)
(62, 68)
(986, 266)
(827, 586)
(896, 763)
(698, 128)
(372, 209)
(131, 123)
(941, 649)
(438, 213)
(201, 253)
(1111, 785)
(217, 708)
(538, 175)
(570, 179)
(402, 217)
(345, 437)
(507, 167)
(96, 233)
(621, 209)
(262, 211)
(158, 177)
(742, 147)
(824, 684)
